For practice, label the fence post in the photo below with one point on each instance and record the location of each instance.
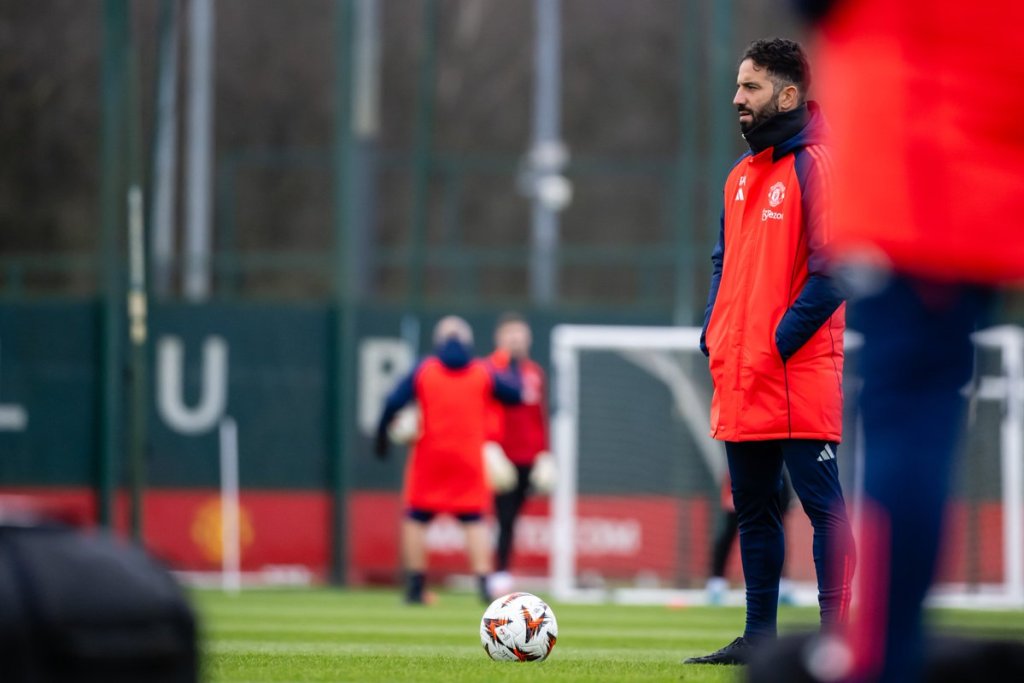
(112, 215)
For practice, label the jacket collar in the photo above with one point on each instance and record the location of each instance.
(789, 130)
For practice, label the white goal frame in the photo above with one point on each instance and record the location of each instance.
(567, 341)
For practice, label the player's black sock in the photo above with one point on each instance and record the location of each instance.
(414, 582)
(485, 595)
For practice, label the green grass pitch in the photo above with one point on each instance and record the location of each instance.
(331, 635)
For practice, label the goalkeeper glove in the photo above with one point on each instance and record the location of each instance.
(543, 475)
(501, 473)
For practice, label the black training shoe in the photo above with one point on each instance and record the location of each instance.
(736, 652)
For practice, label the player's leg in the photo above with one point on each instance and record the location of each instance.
(756, 471)
(478, 548)
(507, 506)
(916, 358)
(786, 589)
(814, 472)
(504, 510)
(414, 553)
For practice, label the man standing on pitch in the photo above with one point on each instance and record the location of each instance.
(773, 333)
(521, 432)
(445, 471)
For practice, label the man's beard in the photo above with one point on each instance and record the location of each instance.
(757, 118)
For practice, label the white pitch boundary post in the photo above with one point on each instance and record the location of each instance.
(231, 551)
(568, 340)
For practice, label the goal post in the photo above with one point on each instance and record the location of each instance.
(568, 341)
(1006, 390)
(630, 434)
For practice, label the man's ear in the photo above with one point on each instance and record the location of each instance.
(789, 98)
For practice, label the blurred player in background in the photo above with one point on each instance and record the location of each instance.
(773, 334)
(445, 471)
(520, 433)
(929, 216)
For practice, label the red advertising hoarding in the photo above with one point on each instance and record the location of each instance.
(617, 537)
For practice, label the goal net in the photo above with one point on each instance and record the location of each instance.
(639, 497)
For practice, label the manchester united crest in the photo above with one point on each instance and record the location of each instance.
(776, 194)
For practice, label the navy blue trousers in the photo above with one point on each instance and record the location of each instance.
(917, 356)
(756, 470)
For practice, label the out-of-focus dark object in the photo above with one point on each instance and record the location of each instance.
(812, 10)
(26, 510)
(87, 608)
(813, 659)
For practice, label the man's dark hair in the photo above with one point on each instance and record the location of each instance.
(510, 317)
(785, 61)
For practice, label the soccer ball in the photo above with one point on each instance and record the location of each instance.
(518, 627)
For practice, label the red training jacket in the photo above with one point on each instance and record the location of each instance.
(521, 429)
(774, 324)
(927, 106)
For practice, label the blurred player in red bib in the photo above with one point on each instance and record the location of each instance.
(927, 206)
(520, 434)
(445, 471)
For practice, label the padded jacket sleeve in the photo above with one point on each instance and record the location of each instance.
(819, 298)
(717, 258)
(508, 385)
(401, 396)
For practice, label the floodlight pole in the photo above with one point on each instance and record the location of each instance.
(548, 188)
(199, 154)
(365, 53)
(165, 154)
